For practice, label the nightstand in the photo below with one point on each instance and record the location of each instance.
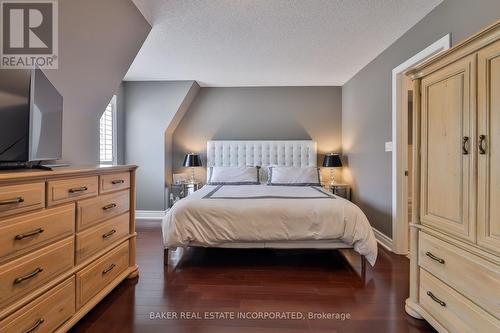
(179, 191)
(192, 187)
(341, 190)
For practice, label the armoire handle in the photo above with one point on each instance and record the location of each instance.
(435, 299)
(465, 146)
(482, 144)
(433, 257)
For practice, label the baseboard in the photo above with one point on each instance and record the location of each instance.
(383, 240)
(150, 214)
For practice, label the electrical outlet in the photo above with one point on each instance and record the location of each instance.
(388, 146)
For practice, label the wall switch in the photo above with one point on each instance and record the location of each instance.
(388, 146)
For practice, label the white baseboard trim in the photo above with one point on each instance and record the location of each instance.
(383, 240)
(150, 214)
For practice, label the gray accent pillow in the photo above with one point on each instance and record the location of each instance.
(293, 176)
(234, 175)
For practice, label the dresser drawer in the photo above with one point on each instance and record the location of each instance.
(30, 231)
(452, 310)
(46, 313)
(476, 278)
(60, 191)
(114, 182)
(92, 211)
(20, 276)
(21, 198)
(99, 274)
(96, 238)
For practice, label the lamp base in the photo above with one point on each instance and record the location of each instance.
(332, 180)
(193, 179)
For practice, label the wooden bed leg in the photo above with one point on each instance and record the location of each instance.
(363, 269)
(165, 257)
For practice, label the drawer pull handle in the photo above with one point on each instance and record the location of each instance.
(35, 325)
(109, 269)
(11, 201)
(117, 181)
(482, 144)
(108, 234)
(78, 189)
(435, 299)
(28, 276)
(433, 257)
(29, 234)
(110, 206)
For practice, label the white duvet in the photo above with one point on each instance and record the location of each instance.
(260, 213)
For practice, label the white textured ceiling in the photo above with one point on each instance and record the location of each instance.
(269, 42)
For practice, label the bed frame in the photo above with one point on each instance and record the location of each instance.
(301, 153)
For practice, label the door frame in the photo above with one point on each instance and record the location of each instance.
(400, 145)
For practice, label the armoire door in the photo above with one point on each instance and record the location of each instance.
(447, 149)
(488, 197)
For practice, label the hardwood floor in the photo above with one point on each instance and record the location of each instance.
(252, 281)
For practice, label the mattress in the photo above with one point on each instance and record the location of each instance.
(224, 214)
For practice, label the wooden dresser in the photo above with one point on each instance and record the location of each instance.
(67, 238)
(455, 236)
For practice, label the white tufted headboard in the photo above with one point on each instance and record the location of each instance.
(261, 153)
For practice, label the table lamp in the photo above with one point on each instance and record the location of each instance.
(332, 161)
(192, 161)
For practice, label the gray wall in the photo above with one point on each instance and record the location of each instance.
(149, 108)
(98, 40)
(263, 113)
(366, 98)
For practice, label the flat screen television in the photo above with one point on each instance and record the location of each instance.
(31, 111)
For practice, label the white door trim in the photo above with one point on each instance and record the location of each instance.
(400, 151)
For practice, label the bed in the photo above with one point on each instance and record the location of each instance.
(263, 216)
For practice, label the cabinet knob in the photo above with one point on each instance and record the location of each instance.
(465, 145)
(482, 144)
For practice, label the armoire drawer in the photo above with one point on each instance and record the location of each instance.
(66, 190)
(27, 273)
(99, 274)
(96, 238)
(114, 182)
(20, 234)
(474, 277)
(46, 313)
(21, 198)
(92, 211)
(452, 310)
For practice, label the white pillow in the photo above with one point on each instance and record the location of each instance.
(308, 176)
(234, 176)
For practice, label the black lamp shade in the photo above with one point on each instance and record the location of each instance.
(332, 161)
(192, 160)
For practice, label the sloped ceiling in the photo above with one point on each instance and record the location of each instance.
(269, 42)
(98, 40)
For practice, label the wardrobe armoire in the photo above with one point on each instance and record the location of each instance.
(455, 235)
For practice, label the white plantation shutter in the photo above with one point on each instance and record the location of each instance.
(107, 135)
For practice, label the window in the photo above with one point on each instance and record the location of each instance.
(107, 134)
